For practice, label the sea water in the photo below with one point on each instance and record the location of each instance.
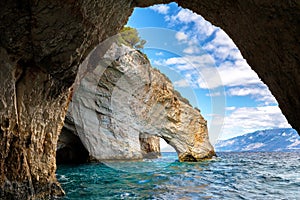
(229, 176)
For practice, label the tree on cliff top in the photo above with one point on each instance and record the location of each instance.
(130, 37)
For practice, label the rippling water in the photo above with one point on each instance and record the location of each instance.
(230, 176)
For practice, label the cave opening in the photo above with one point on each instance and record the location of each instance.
(208, 69)
(193, 66)
(70, 149)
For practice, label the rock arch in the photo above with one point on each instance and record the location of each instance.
(42, 44)
(122, 103)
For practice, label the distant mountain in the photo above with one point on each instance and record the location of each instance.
(285, 139)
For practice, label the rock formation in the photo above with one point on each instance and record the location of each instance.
(43, 42)
(150, 145)
(120, 106)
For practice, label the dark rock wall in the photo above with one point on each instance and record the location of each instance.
(41, 45)
(70, 149)
(31, 119)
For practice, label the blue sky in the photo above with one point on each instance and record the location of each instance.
(207, 68)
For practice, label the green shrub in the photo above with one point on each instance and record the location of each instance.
(130, 37)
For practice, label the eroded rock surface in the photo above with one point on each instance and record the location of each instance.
(150, 146)
(121, 107)
(41, 46)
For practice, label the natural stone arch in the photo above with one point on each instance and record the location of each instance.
(44, 42)
(120, 102)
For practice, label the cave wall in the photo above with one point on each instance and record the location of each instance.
(41, 45)
(70, 149)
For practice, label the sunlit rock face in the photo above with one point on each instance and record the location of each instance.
(121, 107)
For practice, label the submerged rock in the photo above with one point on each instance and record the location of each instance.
(121, 108)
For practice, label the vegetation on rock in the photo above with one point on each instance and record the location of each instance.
(130, 37)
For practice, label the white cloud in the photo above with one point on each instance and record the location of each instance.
(181, 36)
(237, 77)
(230, 108)
(203, 70)
(246, 91)
(181, 83)
(232, 68)
(161, 8)
(194, 62)
(191, 50)
(185, 16)
(249, 119)
(236, 73)
(213, 94)
(222, 47)
(259, 93)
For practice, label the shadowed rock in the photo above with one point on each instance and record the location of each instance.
(42, 44)
(150, 146)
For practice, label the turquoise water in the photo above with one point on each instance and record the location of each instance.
(230, 176)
